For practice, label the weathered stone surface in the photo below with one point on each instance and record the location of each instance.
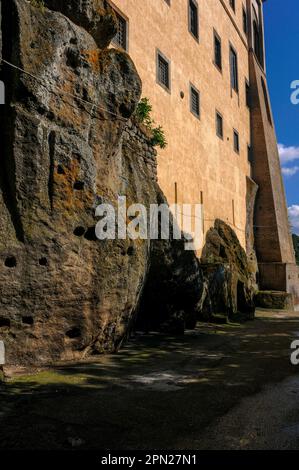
(274, 300)
(68, 145)
(231, 284)
(95, 16)
(63, 294)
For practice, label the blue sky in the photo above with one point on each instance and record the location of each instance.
(282, 54)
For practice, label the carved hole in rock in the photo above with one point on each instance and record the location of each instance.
(60, 170)
(79, 185)
(73, 333)
(130, 251)
(10, 262)
(125, 111)
(91, 234)
(4, 322)
(222, 253)
(43, 261)
(79, 231)
(27, 320)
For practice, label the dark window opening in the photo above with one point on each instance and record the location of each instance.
(232, 4)
(163, 72)
(194, 101)
(236, 142)
(217, 51)
(249, 154)
(247, 92)
(234, 69)
(10, 262)
(193, 18)
(219, 125)
(257, 40)
(121, 39)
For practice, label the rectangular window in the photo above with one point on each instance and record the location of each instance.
(219, 125)
(217, 51)
(163, 71)
(121, 37)
(233, 60)
(232, 4)
(247, 92)
(236, 142)
(249, 155)
(194, 101)
(193, 18)
(245, 26)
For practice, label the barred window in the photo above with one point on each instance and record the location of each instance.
(163, 71)
(219, 125)
(234, 69)
(217, 51)
(236, 142)
(193, 18)
(120, 39)
(194, 101)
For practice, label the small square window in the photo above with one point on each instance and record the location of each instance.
(236, 142)
(233, 4)
(194, 101)
(121, 37)
(193, 18)
(217, 51)
(219, 125)
(247, 92)
(163, 71)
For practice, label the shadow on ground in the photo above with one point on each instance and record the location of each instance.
(158, 392)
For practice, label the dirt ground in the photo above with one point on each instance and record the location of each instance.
(218, 387)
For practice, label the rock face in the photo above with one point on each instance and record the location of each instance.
(64, 294)
(231, 284)
(95, 16)
(69, 143)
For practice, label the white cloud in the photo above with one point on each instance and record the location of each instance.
(294, 218)
(290, 171)
(288, 154)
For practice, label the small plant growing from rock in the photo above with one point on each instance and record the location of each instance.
(159, 137)
(143, 115)
(143, 111)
